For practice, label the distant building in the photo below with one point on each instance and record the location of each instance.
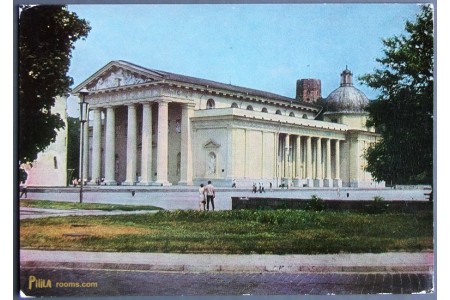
(151, 127)
(50, 167)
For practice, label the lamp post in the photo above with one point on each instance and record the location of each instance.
(83, 117)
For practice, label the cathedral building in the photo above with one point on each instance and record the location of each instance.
(151, 127)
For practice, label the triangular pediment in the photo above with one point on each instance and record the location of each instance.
(211, 144)
(118, 73)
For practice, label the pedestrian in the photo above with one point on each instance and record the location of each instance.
(23, 176)
(262, 188)
(234, 183)
(202, 197)
(270, 185)
(210, 195)
(23, 190)
(254, 188)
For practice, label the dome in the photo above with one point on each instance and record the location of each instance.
(347, 98)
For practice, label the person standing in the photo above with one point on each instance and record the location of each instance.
(210, 195)
(202, 197)
(23, 176)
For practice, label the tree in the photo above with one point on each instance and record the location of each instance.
(403, 112)
(47, 34)
(73, 144)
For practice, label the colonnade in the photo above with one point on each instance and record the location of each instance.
(302, 162)
(162, 143)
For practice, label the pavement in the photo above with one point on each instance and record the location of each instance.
(252, 263)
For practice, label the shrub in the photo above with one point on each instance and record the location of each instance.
(316, 204)
(378, 206)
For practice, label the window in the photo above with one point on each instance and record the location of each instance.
(55, 162)
(264, 110)
(249, 107)
(305, 116)
(291, 114)
(278, 112)
(210, 104)
(234, 105)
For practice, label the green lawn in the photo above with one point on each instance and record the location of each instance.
(88, 206)
(241, 231)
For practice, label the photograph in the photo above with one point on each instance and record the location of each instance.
(229, 149)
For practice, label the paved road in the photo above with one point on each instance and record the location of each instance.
(34, 213)
(186, 197)
(141, 283)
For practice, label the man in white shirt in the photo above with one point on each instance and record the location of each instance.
(210, 195)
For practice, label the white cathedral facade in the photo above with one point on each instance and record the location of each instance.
(150, 127)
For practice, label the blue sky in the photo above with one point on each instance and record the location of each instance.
(261, 46)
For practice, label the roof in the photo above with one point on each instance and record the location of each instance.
(168, 76)
(347, 98)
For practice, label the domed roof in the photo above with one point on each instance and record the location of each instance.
(347, 98)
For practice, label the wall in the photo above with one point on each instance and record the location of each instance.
(50, 167)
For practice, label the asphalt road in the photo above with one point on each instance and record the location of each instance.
(37, 281)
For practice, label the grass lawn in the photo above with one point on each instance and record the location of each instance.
(88, 206)
(240, 231)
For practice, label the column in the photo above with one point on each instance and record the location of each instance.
(187, 111)
(298, 153)
(110, 146)
(131, 146)
(328, 182)
(96, 145)
(337, 182)
(146, 149)
(298, 163)
(309, 180)
(162, 143)
(286, 158)
(85, 150)
(319, 180)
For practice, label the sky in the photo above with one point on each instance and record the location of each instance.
(261, 46)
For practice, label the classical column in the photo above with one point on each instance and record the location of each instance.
(146, 149)
(286, 157)
(96, 145)
(86, 149)
(309, 180)
(328, 182)
(110, 146)
(298, 153)
(131, 146)
(187, 111)
(337, 182)
(162, 143)
(319, 180)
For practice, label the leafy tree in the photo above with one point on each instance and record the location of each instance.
(73, 145)
(47, 34)
(403, 112)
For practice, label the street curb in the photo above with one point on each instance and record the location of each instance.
(230, 268)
